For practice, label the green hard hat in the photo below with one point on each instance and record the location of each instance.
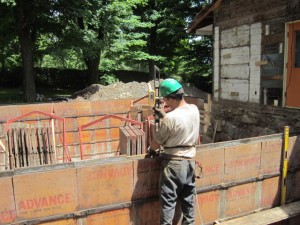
(168, 86)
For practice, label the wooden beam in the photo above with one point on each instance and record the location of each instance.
(202, 15)
(274, 77)
(266, 217)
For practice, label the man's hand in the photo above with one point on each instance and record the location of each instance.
(159, 111)
(152, 152)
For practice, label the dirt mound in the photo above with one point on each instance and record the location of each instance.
(131, 90)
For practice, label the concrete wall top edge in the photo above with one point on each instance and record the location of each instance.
(239, 141)
(120, 159)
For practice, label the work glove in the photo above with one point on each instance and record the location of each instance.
(160, 112)
(152, 152)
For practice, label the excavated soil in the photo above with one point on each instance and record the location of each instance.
(131, 90)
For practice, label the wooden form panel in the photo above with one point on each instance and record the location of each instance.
(146, 178)
(271, 156)
(242, 161)
(241, 199)
(69, 109)
(7, 204)
(136, 179)
(212, 161)
(270, 192)
(105, 185)
(45, 194)
(146, 213)
(120, 217)
(294, 152)
(209, 206)
(293, 187)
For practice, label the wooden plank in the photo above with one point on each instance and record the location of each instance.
(51, 145)
(5, 155)
(143, 139)
(124, 142)
(45, 144)
(34, 146)
(28, 146)
(274, 77)
(19, 136)
(132, 140)
(39, 145)
(10, 149)
(266, 217)
(16, 148)
(138, 139)
(30, 150)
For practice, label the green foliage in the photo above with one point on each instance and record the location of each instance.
(107, 79)
(194, 62)
(120, 34)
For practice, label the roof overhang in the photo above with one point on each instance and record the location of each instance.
(208, 30)
(204, 19)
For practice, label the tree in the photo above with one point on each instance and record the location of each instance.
(25, 19)
(169, 20)
(194, 62)
(28, 18)
(94, 26)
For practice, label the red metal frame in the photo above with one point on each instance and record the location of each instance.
(65, 153)
(80, 128)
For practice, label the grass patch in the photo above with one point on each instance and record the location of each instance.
(11, 95)
(15, 95)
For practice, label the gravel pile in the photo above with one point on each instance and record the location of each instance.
(120, 90)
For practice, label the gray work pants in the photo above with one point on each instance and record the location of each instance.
(177, 182)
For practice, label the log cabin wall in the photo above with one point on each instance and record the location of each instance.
(249, 38)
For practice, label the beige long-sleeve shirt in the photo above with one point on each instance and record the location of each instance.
(179, 131)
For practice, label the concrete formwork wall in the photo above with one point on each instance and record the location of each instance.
(98, 141)
(239, 177)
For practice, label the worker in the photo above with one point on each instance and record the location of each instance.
(177, 135)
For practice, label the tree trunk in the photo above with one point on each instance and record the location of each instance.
(27, 63)
(152, 50)
(93, 71)
(24, 20)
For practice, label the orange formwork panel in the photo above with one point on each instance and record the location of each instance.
(146, 178)
(241, 199)
(114, 133)
(70, 109)
(270, 196)
(209, 204)
(45, 194)
(293, 182)
(99, 135)
(294, 152)
(7, 203)
(117, 217)
(146, 213)
(23, 109)
(242, 161)
(212, 166)
(105, 184)
(271, 156)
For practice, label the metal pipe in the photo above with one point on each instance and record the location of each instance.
(224, 186)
